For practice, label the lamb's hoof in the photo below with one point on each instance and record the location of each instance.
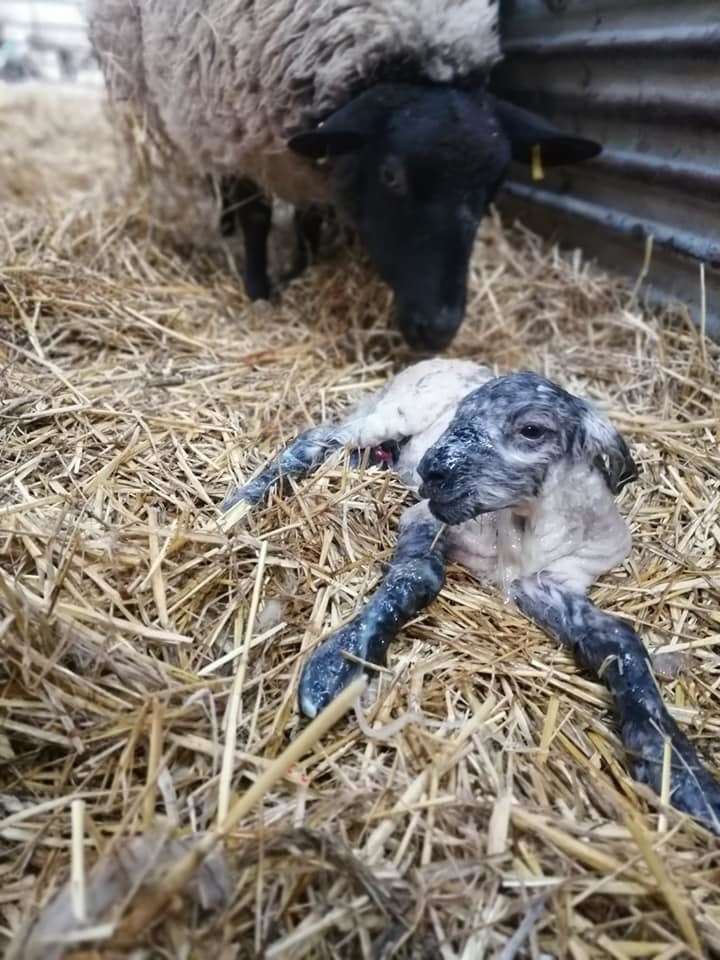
(237, 505)
(329, 671)
(696, 792)
(693, 790)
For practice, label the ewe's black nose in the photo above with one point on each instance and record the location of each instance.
(429, 332)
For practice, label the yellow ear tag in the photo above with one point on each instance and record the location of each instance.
(537, 168)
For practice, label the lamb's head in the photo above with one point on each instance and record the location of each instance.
(414, 168)
(506, 437)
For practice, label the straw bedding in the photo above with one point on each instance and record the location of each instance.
(477, 803)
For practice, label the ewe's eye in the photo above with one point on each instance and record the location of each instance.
(533, 431)
(392, 176)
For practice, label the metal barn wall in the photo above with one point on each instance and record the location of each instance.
(643, 78)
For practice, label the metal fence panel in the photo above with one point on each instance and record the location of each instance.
(643, 78)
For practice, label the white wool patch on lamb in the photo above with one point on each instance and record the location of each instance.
(414, 402)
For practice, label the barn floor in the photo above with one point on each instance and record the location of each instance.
(479, 805)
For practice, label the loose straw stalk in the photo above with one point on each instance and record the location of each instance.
(77, 875)
(232, 717)
(155, 901)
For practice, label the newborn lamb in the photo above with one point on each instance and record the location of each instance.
(517, 479)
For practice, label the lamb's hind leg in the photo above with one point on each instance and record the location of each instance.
(413, 579)
(371, 427)
(298, 459)
(302, 457)
(611, 649)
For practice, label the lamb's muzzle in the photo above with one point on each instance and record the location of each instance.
(524, 474)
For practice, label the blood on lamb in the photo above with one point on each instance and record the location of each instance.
(377, 110)
(517, 479)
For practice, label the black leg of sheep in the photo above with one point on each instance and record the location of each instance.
(298, 459)
(302, 457)
(244, 205)
(308, 232)
(612, 650)
(413, 579)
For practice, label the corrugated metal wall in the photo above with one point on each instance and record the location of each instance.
(643, 78)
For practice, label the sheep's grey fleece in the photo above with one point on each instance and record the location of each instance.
(226, 82)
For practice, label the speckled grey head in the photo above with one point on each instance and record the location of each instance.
(504, 438)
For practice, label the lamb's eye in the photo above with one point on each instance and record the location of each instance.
(533, 431)
(392, 176)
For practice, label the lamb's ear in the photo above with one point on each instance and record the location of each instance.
(601, 444)
(526, 130)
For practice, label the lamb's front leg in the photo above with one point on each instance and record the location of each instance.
(413, 579)
(611, 649)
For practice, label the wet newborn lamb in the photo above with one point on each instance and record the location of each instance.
(517, 479)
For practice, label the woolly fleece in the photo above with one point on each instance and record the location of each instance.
(226, 82)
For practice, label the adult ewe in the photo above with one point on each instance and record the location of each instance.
(378, 109)
(518, 479)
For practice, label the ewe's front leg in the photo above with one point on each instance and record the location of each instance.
(413, 579)
(308, 232)
(611, 649)
(243, 203)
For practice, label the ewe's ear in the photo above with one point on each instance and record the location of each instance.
(526, 130)
(321, 143)
(602, 445)
(346, 130)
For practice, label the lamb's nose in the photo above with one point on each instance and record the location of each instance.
(434, 476)
(433, 471)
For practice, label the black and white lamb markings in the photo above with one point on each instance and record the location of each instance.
(517, 480)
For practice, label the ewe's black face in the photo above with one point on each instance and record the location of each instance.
(504, 438)
(415, 168)
(416, 194)
(415, 187)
